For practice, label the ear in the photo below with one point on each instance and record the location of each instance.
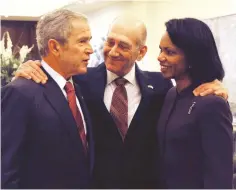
(142, 53)
(54, 47)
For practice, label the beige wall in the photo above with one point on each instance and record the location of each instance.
(154, 14)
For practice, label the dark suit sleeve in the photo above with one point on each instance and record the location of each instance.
(217, 143)
(14, 120)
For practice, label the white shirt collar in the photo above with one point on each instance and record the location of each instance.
(130, 76)
(60, 80)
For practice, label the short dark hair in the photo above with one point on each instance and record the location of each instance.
(196, 40)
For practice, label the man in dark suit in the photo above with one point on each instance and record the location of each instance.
(46, 132)
(127, 163)
(125, 148)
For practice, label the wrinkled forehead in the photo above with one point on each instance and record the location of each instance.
(119, 38)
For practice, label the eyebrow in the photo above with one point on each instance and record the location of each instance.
(167, 47)
(120, 42)
(85, 38)
(109, 38)
(124, 43)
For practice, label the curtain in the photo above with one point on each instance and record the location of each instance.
(224, 31)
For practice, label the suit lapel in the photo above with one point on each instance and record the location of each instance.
(100, 80)
(58, 101)
(99, 77)
(146, 92)
(89, 135)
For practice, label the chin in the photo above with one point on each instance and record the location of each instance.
(110, 67)
(166, 76)
(83, 70)
(80, 71)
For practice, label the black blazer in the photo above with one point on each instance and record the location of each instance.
(41, 147)
(195, 138)
(129, 164)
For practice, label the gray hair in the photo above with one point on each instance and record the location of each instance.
(55, 25)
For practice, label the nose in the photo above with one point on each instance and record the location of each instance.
(113, 52)
(89, 50)
(161, 58)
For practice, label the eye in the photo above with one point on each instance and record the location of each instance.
(123, 46)
(82, 41)
(110, 43)
(169, 52)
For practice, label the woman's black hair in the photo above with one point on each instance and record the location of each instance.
(196, 40)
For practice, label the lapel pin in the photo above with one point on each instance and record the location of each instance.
(191, 107)
(150, 86)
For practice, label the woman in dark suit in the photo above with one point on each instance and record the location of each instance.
(194, 133)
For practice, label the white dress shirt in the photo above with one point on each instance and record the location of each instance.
(132, 88)
(61, 81)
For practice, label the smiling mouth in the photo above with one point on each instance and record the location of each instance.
(114, 59)
(164, 67)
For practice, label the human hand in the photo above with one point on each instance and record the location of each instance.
(31, 70)
(215, 87)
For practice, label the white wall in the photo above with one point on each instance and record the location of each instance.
(29, 8)
(155, 14)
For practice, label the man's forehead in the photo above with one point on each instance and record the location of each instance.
(119, 37)
(79, 24)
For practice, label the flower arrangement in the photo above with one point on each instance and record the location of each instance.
(9, 60)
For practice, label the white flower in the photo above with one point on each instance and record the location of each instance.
(24, 51)
(6, 53)
(15, 66)
(9, 63)
(2, 49)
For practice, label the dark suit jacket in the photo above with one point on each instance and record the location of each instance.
(129, 164)
(41, 147)
(195, 138)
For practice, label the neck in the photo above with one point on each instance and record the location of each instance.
(53, 63)
(182, 83)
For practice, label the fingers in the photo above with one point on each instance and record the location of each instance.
(207, 92)
(207, 88)
(221, 93)
(200, 89)
(23, 71)
(31, 70)
(37, 70)
(214, 90)
(35, 77)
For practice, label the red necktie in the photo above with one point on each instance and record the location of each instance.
(119, 106)
(70, 91)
